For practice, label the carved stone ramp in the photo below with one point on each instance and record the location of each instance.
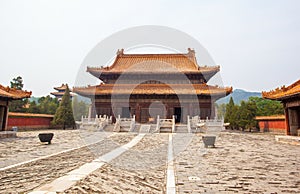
(145, 128)
(170, 187)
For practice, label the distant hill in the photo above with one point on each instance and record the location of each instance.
(84, 99)
(238, 95)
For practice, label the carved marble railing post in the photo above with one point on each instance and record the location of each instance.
(173, 124)
(189, 124)
(90, 113)
(157, 123)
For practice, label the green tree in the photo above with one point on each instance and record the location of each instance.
(231, 114)
(17, 105)
(267, 107)
(80, 108)
(243, 116)
(246, 115)
(44, 105)
(64, 113)
(17, 83)
(251, 114)
(48, 105)
(33, 108)
(221, 110)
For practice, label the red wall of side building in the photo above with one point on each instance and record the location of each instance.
(276, 126)
(29, 122)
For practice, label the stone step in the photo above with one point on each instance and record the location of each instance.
(109, 128)
(181, 129)
(165, 130)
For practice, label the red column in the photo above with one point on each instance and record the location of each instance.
(6, 110)
(168, 111)
(287, 120)
(138, 113)
(190, 112)
(5, 117)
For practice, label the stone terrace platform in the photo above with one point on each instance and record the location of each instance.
(240, 163)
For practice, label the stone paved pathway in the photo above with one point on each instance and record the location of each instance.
(139, 170)
(26, 177)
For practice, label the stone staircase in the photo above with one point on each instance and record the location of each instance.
(165, 130)
(109, 128)
(181, 128)
(136, 128)
(150, 128)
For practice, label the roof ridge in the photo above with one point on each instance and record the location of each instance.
(161, 54)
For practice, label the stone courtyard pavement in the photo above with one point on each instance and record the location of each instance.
(240, 163)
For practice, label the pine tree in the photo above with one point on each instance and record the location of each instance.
(64, 113)
(17, 105)
(246, 115)
(231, 113)
(17, 83)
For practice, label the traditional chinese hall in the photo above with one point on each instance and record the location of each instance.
(147, 85)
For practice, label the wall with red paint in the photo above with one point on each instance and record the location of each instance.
(29, 122)
(276, 126)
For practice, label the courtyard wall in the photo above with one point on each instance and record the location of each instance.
(274, 124)
(27, 121)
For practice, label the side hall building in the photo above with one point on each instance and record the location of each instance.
(8, 94)
(290, 97)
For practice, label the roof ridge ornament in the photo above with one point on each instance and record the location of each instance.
(120, 52)
(191, 52)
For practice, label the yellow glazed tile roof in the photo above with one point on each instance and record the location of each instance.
(17, 114)
(283, 92)
(154, 63)
(12, 93)
(274, 117)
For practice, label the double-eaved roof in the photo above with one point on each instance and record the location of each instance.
(12, 93)
(61, 91)
(283, 92)
(154, 65)
(150, 63)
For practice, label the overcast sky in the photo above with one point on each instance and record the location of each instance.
(256, 43)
